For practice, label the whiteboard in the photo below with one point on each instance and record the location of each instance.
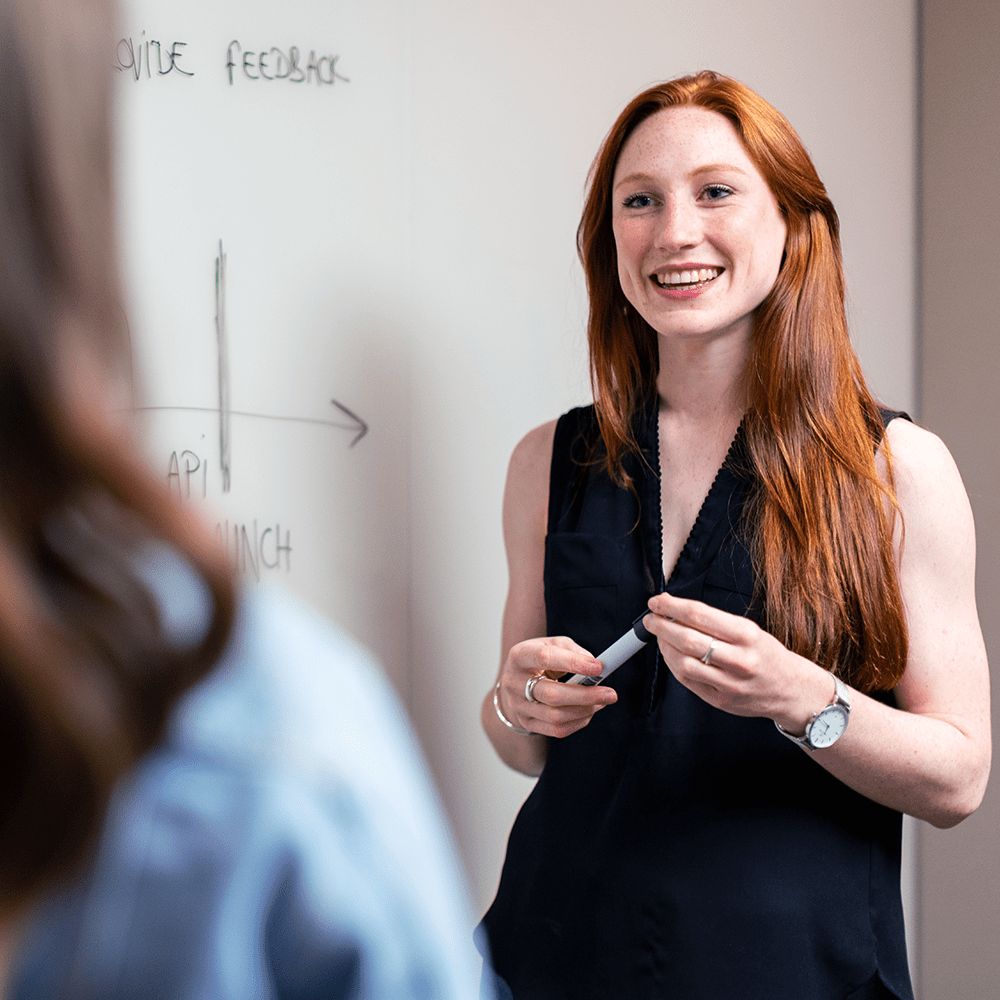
(402, 241)
(263, 161)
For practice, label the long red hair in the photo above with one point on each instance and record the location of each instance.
(820, 531)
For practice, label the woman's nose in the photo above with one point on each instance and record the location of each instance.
(679, 227)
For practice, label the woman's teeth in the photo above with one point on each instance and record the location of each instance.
(692, 277)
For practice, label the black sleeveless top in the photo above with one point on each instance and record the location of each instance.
(670, 849)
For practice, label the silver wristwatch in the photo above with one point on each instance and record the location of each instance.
(827, 725)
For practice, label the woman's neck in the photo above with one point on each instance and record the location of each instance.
(701, 381)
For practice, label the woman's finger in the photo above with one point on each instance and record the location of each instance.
(700, 618)
(555, 694)
(553, 656)
(677, 639)
(560, 722)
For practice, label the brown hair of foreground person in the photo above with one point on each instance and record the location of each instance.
(824, 543)
(87, 674)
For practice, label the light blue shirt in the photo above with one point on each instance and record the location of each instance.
(285, 841)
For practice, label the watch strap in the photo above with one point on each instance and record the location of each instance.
(841, 696)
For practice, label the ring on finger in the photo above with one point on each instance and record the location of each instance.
(529, 688)
(707, 658)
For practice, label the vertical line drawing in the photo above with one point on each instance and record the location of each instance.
(223, 345)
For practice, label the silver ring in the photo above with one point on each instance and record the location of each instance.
(707, 658)
(529, 688)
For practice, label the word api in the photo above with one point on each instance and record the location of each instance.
(277, 64)
(185, 468)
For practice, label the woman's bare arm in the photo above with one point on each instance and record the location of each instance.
(559, 709)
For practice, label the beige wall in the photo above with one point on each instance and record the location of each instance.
(960, 869)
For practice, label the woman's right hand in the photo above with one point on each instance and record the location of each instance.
(557, 709)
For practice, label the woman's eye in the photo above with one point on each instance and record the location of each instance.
(638, 201)
(716, 192)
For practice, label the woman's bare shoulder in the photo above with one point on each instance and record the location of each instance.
(913, 444)
(921, 462)
(526, 497)
(932, 498)
(534, 450)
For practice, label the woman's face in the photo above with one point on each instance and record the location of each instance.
(698, 231)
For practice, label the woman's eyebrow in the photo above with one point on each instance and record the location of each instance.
(709, 168)
(634, 177)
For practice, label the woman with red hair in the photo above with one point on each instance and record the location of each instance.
(723, 814)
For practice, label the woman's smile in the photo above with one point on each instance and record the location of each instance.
(686, 282)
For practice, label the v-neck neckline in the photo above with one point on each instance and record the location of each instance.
(708, 513)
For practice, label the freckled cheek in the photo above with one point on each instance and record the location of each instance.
(772, 234)
(756, 254)
(630, 248)
(759, 277)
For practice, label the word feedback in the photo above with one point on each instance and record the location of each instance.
(277, 64)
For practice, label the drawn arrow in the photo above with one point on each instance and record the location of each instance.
(361, 426)
(357, 425)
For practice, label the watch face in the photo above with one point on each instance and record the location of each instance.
(828, 726)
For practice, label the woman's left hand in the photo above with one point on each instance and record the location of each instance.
(735, 665)
(927, 753)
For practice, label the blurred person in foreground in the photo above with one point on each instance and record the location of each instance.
(205, 794)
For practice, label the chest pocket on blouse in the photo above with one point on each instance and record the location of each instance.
(582, 576)
(729, 580)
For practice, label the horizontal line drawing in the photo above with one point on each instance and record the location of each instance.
(358, 425)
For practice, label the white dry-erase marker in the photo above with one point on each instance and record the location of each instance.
(618, 652)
